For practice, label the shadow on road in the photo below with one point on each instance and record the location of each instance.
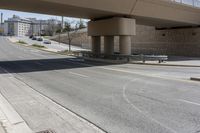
(36, 65)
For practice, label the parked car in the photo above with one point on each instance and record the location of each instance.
(31, 36)
(40, 39)
(47, 42)
(34, 38)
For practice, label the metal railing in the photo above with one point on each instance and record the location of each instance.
(194, 3)
(143, 58)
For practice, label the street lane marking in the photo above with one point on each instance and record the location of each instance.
(185, 101)
(125, 71)
(149, 75)
(77, 74)
(140, 111)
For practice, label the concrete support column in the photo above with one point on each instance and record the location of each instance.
(125, 45)
(108, 45)
(96, 44)
(110, 27)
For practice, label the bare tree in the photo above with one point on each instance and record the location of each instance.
(71, 28)
(52, 28)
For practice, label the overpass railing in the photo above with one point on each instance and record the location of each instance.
(194, 3)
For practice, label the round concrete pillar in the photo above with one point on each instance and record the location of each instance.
(125, 45)
(96, 44)
(108, 45)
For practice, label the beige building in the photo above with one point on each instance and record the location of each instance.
(16, 26)
(1, 29)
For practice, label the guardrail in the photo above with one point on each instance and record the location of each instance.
(194, 3)
(143, 58)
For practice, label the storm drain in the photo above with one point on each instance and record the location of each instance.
(47, 131)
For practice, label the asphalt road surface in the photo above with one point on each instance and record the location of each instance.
(123, 98)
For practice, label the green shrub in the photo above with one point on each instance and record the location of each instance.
(38, 46)
(21, 42)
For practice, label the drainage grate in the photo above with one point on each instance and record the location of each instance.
(47, 131)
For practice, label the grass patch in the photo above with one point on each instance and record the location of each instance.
(21, 42)
(67, 52)
(38, 46)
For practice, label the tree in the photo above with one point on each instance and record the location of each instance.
(52, 28)
(67, 26)
(71, 28)
(82, 24)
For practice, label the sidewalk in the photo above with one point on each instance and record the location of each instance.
(10, 120)
(38, 111)
(2, 129)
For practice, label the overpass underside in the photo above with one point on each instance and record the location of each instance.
(111, 18)
(150, 12)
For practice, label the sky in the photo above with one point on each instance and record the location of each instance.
(8, 14)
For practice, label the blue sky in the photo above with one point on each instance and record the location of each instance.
(8, 13)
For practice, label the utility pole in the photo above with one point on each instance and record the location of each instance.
(1, 18)
(61, 28)
(40, 27)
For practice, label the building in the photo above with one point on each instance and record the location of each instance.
(38, 26)
(1, 29)
(45, 27)
(1, 25)
(17, 26)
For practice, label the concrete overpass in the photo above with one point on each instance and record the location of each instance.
(111, 18)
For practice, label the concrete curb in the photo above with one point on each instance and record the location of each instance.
(195, 78)
(137, 63)
(177, 65)
(12, 121)
(105, 61)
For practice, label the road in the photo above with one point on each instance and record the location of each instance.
(123, 98)
(54, 45)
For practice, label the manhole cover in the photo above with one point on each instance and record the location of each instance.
(47, 131)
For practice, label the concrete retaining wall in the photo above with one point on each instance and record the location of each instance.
(148, 40)
(181, 42)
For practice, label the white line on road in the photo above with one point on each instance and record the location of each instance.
(77, 74)
(140, 111)
(131, 72)
(186, 101)
(148, 75)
